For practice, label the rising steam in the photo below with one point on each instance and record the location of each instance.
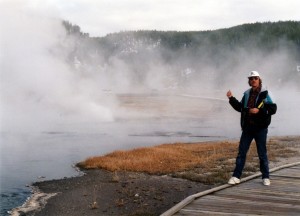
(39, 86)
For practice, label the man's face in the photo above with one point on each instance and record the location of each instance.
(254, 81)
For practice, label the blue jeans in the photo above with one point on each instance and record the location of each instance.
(260, 137)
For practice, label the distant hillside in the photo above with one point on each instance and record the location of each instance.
(264, 35)
(183, 57)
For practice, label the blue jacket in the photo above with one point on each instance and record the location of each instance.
(264, 103)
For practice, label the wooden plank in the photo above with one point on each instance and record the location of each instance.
(282, 177)
(295, 167)
(275, 190)
(264, 197)
(288, 172)
(270, 191)
(259, 193)
(246, 209)
(231, 205)
(194, 212)
(286, 176)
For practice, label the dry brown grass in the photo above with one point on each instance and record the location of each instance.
(210, 162)
(166, 158)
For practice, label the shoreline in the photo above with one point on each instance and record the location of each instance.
(91, 191)
(36, 201)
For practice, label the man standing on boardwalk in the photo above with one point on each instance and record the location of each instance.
(256, 108)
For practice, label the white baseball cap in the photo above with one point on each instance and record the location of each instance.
(253, 74)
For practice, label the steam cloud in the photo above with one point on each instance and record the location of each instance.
(38, 85)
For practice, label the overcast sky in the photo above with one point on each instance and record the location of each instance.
(100, 17)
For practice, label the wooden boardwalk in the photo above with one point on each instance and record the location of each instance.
(250, 197)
